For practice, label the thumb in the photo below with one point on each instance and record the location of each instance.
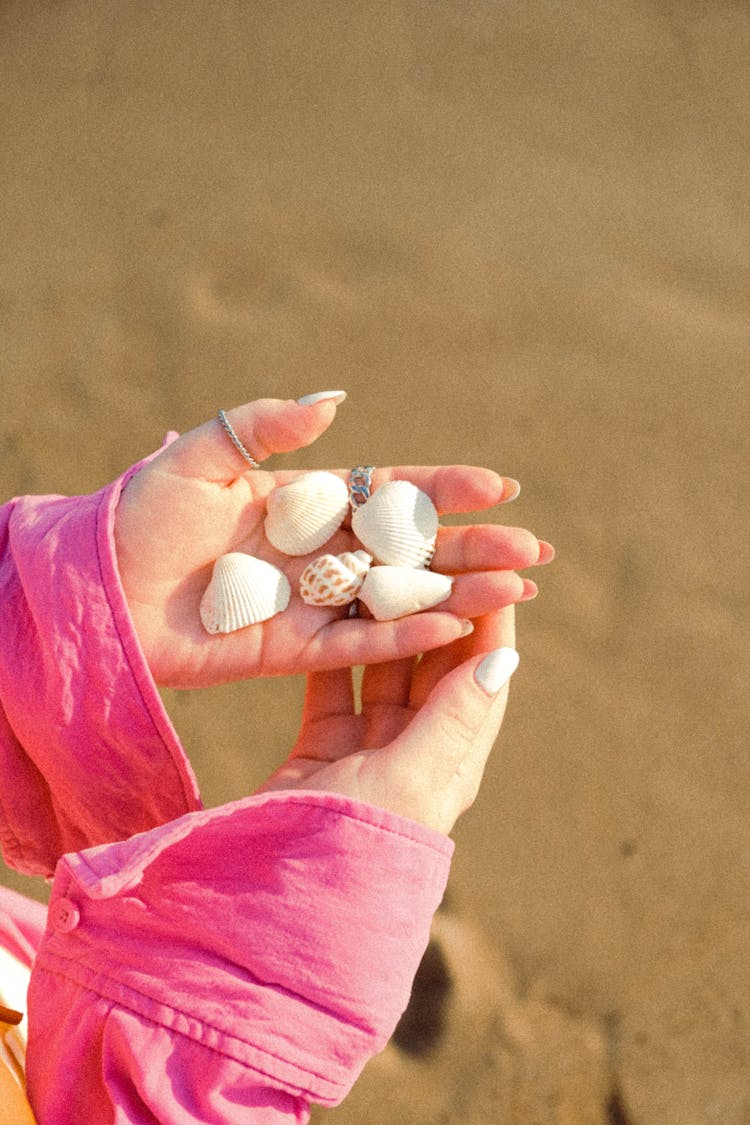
(264, 427)
(444, 749)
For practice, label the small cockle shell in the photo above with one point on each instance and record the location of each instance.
(303, 515)
(398, 525)
(334, 579)
(395, 591)
(243, 591)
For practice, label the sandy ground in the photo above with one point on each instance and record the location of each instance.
(519, 235)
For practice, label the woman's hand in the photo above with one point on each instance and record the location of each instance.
(198, 500)
(419, 744)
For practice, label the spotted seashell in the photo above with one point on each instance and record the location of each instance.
(243, 591)
(334, 579)
(395, 591)
(303, 515)
(398, 525)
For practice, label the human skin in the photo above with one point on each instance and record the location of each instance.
(198, 499)
(419, 742)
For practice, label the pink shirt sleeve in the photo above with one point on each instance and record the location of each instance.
(199, 966)
(250, 957)
(87, 751)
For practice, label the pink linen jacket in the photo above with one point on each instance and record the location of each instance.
(199, 965)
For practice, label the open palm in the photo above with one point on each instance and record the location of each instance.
(417, 741)
(195, 501)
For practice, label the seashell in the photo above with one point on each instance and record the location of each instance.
(243, 591)
(334, 579)
(395, 591)
(398, 525)
(303, 515)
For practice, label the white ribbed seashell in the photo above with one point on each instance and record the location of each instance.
(334, 579)
(395, 591)
(243, 591)
(398, 525)
(303, 515)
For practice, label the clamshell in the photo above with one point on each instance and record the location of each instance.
(398, 525)
(243, 591)
(395, 591)
(303, 515)
(334, 579)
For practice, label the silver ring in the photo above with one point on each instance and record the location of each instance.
(360, 485)
(229, 431)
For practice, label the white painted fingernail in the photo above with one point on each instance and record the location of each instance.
(496, 669)
(321, 396)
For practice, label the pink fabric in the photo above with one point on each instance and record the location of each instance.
(22, 925)
(269, 944)
(87, 751)
(199, 966)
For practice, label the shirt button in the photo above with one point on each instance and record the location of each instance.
(65, 915)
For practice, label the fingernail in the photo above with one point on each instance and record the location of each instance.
(511, 489)
(530, 590)
(546, 552)
(467, 627)
(321, 396)
(496, 669)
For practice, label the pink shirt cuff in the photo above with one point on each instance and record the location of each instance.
(282, 931)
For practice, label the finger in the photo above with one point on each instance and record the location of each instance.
(330, 729)
(496, 630)
(351, 641)
(328, 694)
(459, 708)
(452, 488)
(447, 743)
(387, 684)
(474, 595)
(487, 547)
(493, 630)
(264, 427)
(385, 700)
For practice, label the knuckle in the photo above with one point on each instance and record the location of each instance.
(459, 727)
